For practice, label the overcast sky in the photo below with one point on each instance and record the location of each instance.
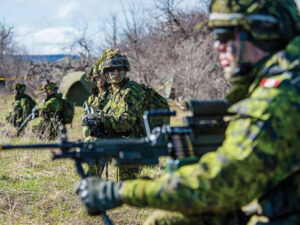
(47, 26)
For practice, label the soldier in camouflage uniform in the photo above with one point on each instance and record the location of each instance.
(122, 115)
(22, 106)
(123, 112)
(97, 101)
(50, 113)
(259, 46)
(100, 94)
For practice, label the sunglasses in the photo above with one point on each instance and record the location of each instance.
(118, 69)
(224, 35)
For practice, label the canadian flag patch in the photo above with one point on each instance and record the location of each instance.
(270, 82)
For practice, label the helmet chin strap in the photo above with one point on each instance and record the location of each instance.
(242, 67)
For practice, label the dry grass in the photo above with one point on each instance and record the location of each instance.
(36, 190)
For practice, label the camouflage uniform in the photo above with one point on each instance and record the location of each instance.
(100, 96)
(260, 157)
(97, 101)
(22, 106)
(123, 114)
(124, 110)
(50, 111)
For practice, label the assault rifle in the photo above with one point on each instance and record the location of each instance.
(91, 119)
(203, 132)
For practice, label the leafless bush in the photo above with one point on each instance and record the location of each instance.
(167, 50)
(10, 65)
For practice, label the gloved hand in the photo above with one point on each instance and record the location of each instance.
(99, 195)
(91, 120)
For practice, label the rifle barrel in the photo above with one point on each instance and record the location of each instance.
(33, 146)
(41, 146)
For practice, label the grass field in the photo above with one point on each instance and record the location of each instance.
(36, 190)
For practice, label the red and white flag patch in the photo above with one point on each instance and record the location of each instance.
(270, 82)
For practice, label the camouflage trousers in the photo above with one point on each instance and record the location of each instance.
(161, 217)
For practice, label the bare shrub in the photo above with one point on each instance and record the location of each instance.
(166, 53)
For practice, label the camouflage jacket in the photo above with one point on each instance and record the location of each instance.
(99, 102)
(123, 114)
(93, 96)
(259, 154)
(23, 106)
(51, 107)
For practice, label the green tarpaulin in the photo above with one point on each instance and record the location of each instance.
(75, 88)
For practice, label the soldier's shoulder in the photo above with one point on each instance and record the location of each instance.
(55, 99)
(134, 88)
(272, 94)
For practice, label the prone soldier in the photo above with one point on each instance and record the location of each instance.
(259, 47)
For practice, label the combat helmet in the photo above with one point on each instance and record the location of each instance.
(269, 24)
(116, 59)
(20, 86)
(48, 87)
(97, 69)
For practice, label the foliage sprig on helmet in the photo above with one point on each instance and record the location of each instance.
(97, 69)
(116, 59)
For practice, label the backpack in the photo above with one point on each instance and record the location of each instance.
(154, 100)
(68, 111)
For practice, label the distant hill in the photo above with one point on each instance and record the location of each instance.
(46, 58)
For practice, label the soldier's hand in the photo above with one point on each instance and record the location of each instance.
(92, 119)
(98, 195)
(89, 119)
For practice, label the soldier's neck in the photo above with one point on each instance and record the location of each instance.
(117, 86)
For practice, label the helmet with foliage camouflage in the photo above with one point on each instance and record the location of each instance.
(20, 86)
(97, 69)
(116, 59)
(49, 86)
(262, 20)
